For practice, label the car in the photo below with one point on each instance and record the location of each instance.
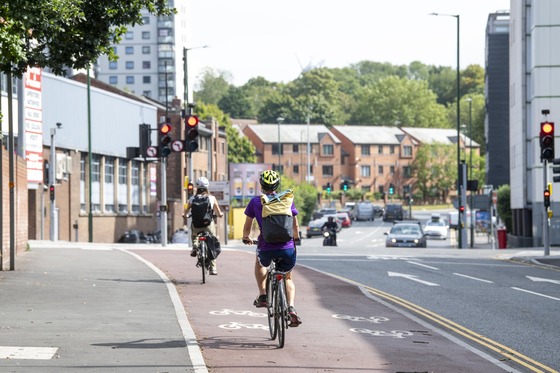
(314, 227)
(393, 211)
(344, 218)
(436, 229)
(406, 234)
(364, 211)
(322, 212)
(378, 211)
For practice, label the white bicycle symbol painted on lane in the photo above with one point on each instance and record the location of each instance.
(372, 319)
(380, 333)
(226, 311)
(234, 325)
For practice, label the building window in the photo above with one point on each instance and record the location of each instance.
(129, 50)
(328, 149)
(145, 20)
(146, 64)
(83, 183)
(113, 65)
(95, 169)
(328, 170)
(113, 79)
(295, 148)
(146, 49)
(296, 169)
(407, 172)
(135, 186)
(392, 149)
(145, 35)
(392, 170)
(275, 149)
(380, 149)
(147, 93)
(365, 149)
(122, 187)
(146, 79)
(380, 170)
(278, 169)
(130, 79)
(109, 186)
(407, 151)
(366, 171)
(129, 35)
(96, 183)
(380, 189)
(129, 65)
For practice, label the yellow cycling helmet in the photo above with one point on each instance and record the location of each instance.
(269, 180)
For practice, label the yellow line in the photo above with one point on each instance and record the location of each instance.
(459, 329)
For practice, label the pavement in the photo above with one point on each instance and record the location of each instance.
(89, 307)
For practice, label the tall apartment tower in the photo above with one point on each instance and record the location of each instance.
(150, 58)
(496, 124)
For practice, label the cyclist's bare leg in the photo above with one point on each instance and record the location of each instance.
(290, 289)
(260, 276)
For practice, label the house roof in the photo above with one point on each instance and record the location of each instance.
(438, 135)
(292, 133)
(371, 134)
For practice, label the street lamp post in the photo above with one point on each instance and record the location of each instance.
(470, 169)
(52, 176)
(460, 193)
(280, 120)
(186, 71)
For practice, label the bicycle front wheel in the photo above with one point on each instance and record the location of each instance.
(281, 313)
(271, 295)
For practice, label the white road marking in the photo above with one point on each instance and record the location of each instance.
(423, 265)
(539, 279)
(532, 292)
(27, 353)
(473, 278)
(411, 277)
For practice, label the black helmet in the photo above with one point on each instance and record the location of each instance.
(269, 180)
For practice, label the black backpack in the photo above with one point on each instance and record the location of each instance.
(201, 211)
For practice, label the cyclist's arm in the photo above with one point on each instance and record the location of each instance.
(217, 210)
(247, 227)
(296, 228)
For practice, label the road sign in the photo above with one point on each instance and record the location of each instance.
(151, 151)
(177, 146)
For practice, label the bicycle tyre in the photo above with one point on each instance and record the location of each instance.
(202, 253)
(281, 313)
(270, 291)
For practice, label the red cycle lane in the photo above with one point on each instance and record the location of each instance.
(343, 330)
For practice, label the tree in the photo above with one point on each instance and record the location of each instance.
(66, 33)
(305, 198)
(435, 170)
(400, 101)
(240, 149)
(504, 206)
(443, 82)
(472, 80)
(212, 86)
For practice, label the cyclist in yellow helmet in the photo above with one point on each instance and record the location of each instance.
(266, 252)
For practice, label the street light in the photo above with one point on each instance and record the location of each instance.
(460, 194)
(52, 176)
(280, 120)
(469, 99)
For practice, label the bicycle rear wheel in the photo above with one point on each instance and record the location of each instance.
(271, 294)
(281, 313)
(202, 259)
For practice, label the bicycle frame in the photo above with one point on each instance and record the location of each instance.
(203, 261)
(278, 304)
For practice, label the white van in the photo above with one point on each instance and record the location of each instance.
(364, 211)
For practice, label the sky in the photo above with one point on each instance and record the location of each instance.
(278, 39)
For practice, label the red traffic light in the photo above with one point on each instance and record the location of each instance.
(546, 198)
(191, 121)
(461, 208)
(165, 128)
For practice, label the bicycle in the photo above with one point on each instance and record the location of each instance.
(203, 260)
(277, 310)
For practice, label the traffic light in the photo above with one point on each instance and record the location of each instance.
(191, 130)
(345, 186)
(546, 198)
(190, 190)
(51, 192)
(164, 140)
(328, 188)
(546, 139)
(391, 189)
(556, 170)
(145, 139)
(461, 209)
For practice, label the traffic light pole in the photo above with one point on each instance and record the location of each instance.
(163, 204)
(52, 168)
(546, 234)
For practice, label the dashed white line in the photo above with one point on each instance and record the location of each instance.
(474, 278)
(27, 353)
(423, 265)
(532, 292)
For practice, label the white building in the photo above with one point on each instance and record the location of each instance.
(150, 57)
(534, 86)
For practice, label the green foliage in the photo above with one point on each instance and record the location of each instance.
(435, 168)
(504, 206)
(305, 198)
(240, 149)
(213, 86)
(354, 194)
(66, 33)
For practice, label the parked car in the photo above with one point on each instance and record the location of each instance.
(406, 234)
(343, 216)
(393, 211)
(364, 211)
(314, 226)
(436, 229)
(378, 211)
